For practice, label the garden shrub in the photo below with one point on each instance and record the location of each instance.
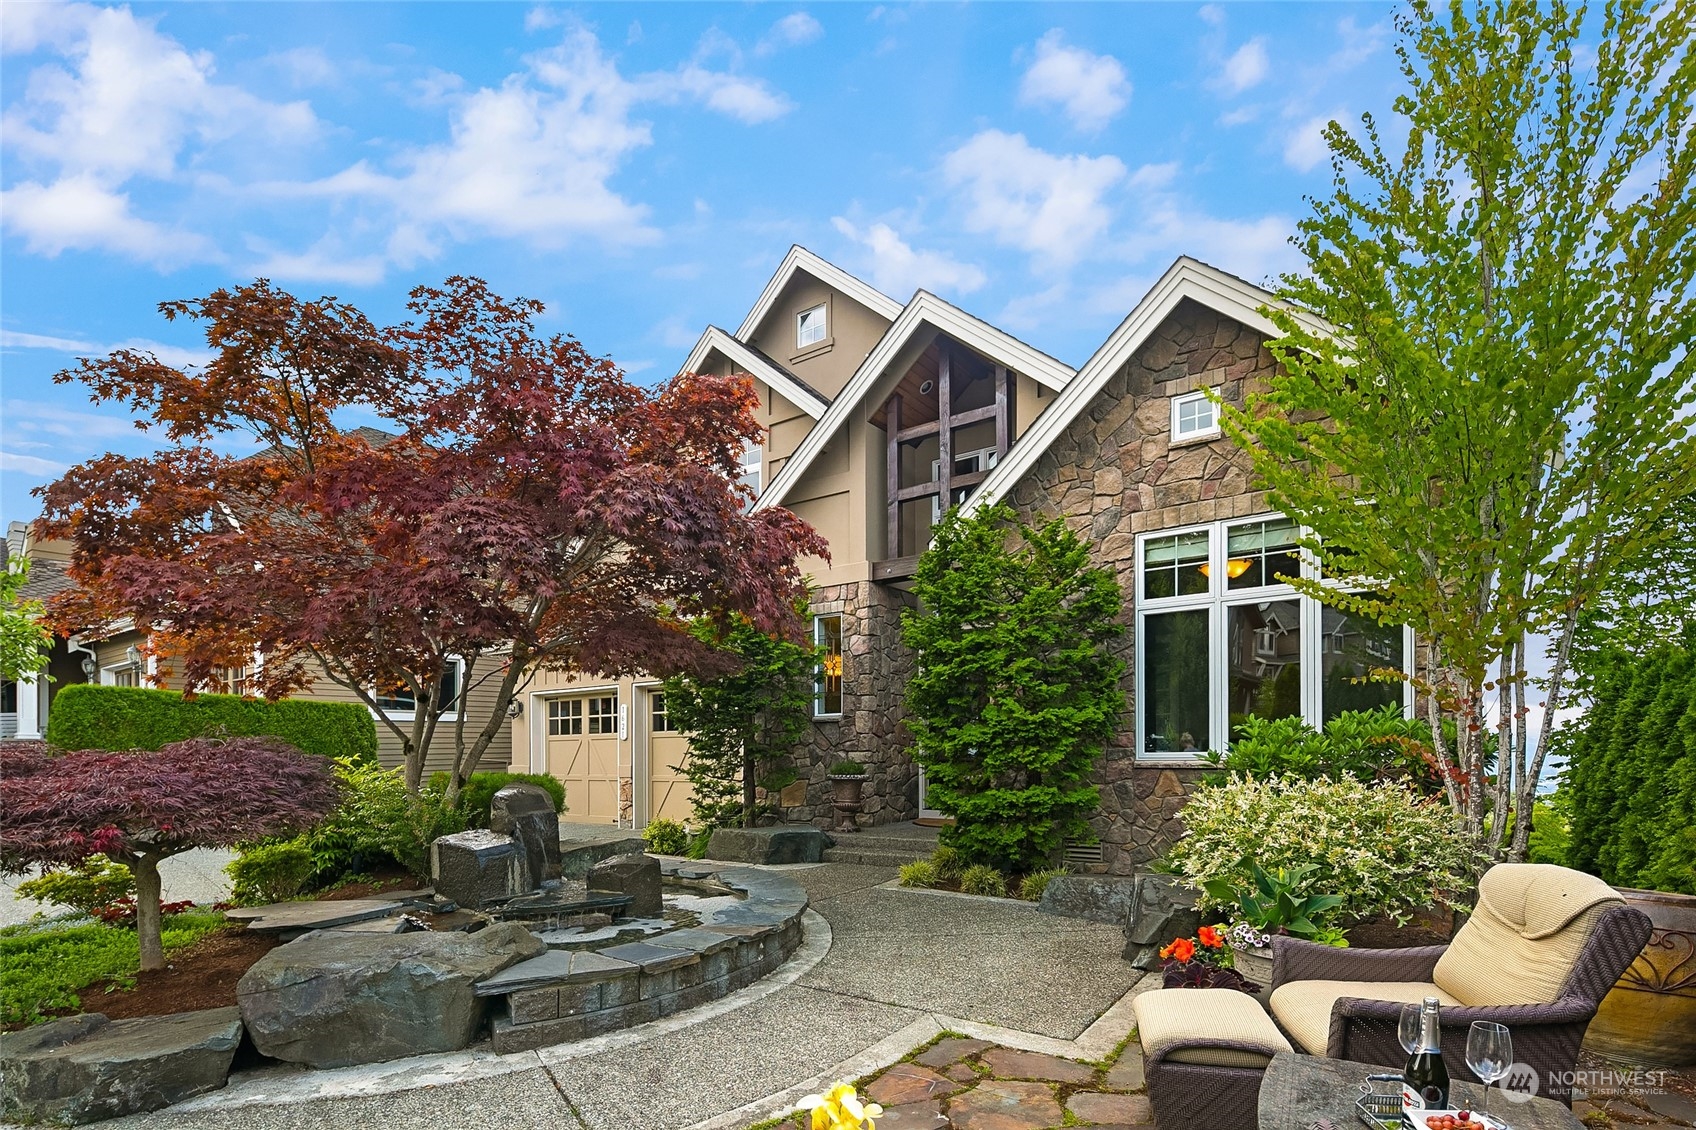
(1632, 771)
(1032, 886)
(982, 879)
(43, 967)
(1017, 689)
(1380, 847)
(919, 873)
(666, 837)
(90, 885)
(1368, 745)
(478, 792)
(87, 716)
(270, 872)
(378, 822)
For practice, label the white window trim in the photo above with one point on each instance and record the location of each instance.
(1217, 600)
(109, 674)
(823, 310)
(818, 668)
(1178, 402)
(411, 715)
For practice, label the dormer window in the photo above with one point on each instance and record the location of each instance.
(1194, 416)
(809, 327)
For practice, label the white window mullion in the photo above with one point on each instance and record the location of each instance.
(1312, 658)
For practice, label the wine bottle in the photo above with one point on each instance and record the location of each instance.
(1425, 1080)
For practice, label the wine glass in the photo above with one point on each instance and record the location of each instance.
(1407, 1027)
(1489, 1052)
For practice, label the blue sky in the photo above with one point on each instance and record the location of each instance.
(640, 168)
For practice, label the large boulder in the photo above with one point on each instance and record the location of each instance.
(526, 813)
(636, 875)
(1098, 898)
(784, 843)
(331, 999)
(479, 868)
(87, 1068)
(1162, 908)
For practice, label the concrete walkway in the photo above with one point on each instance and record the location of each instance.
(197, 876)
(879, 972)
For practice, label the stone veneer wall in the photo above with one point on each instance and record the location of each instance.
(875, 668)
(1114, 473)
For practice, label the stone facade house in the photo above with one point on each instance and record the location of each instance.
(879, 416)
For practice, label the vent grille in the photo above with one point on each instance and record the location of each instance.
(1083, 853)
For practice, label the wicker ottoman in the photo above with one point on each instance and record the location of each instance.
(1204, 1051)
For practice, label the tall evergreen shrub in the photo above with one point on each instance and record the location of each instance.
(1017, 690)
(86, 716)
(1632, 771)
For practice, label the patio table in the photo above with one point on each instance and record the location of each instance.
(1300, 1090)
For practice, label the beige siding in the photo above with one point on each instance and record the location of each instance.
(850, 332)
(439, 756)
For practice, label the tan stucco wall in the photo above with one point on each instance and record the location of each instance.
(850, 332)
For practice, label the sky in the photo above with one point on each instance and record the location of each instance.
(641, 169)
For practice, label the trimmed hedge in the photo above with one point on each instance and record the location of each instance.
(480, 789)
(86, 716)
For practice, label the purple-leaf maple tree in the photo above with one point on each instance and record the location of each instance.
(140, 807)
(525, 508)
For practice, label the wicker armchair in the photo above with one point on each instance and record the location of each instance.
(1540, 952)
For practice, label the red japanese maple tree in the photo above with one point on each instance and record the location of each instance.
(527, 507)
(140, 807)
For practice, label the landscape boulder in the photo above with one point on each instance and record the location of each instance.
(331, 999)
(87, 1068)
(782, 843)
(526, 813)
(1097, 898)
(1162, 908)
(478, 868)
(636, 875)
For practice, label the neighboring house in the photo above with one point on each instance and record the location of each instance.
(120, 658)
(879, 416)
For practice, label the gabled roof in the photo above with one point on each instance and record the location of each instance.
(800, 259)
(802, 395)
(1186, 278)
(925, 309)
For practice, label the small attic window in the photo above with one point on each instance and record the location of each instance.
(809, 327)
(1193, 416)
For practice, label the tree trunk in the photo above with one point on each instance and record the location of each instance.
(147, 919)
(748, 772)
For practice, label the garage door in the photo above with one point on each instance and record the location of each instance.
(668, 789)
(583, 753)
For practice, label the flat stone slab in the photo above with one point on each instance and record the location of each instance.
(1007, 1063)
(1096, 898)
(696, 940)
(286, 917)
(783, 843)
(652, 958)
(87, 1068)
(909, 1083)
(913, 1116)
(1094, 1106)
(997, 1105)
(951, 1050)
(1127, 1073)
(556, 967)
(579, 852)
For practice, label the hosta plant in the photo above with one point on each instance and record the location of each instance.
(1277, 901)
(1381, 849)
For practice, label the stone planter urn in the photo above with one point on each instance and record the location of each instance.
(1253, 962)
(845, 790)
(1649, 1017)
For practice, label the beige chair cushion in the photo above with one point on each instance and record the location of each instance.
(1304, 1007)
(1524, 936)
(1169, 1019)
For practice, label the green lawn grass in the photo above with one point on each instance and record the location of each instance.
(44, 966)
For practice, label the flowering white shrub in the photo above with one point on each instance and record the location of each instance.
(1380, 847)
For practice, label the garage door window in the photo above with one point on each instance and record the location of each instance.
(565, 717)
(603, 715)
(661, 720)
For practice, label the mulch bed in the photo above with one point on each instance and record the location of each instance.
(201, 976)
(390, 879)
(1389, 936)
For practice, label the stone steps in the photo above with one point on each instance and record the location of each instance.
(872, 855)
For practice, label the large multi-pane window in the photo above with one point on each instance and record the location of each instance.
(827, 675)
(1222, 637)
(396, 698)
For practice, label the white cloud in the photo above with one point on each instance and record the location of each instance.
(748, 100)
(897, 269)
(1212, 14)
(793, 30)
(76, 213)
(1304, 145)
(1090, 88)
(16, 464)
(1165, 224)
(1246, 67)
(169, 354)
(305, 66)
(541, 17)
(1051, 206)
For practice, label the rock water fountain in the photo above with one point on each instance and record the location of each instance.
(507, 940)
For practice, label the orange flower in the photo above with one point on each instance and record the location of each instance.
(1210, 937)
(1181, 948)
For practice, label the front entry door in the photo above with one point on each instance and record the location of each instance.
(928, 815)
(583, 753)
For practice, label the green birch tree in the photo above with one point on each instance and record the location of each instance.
(24, 639)
(1500, 418)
